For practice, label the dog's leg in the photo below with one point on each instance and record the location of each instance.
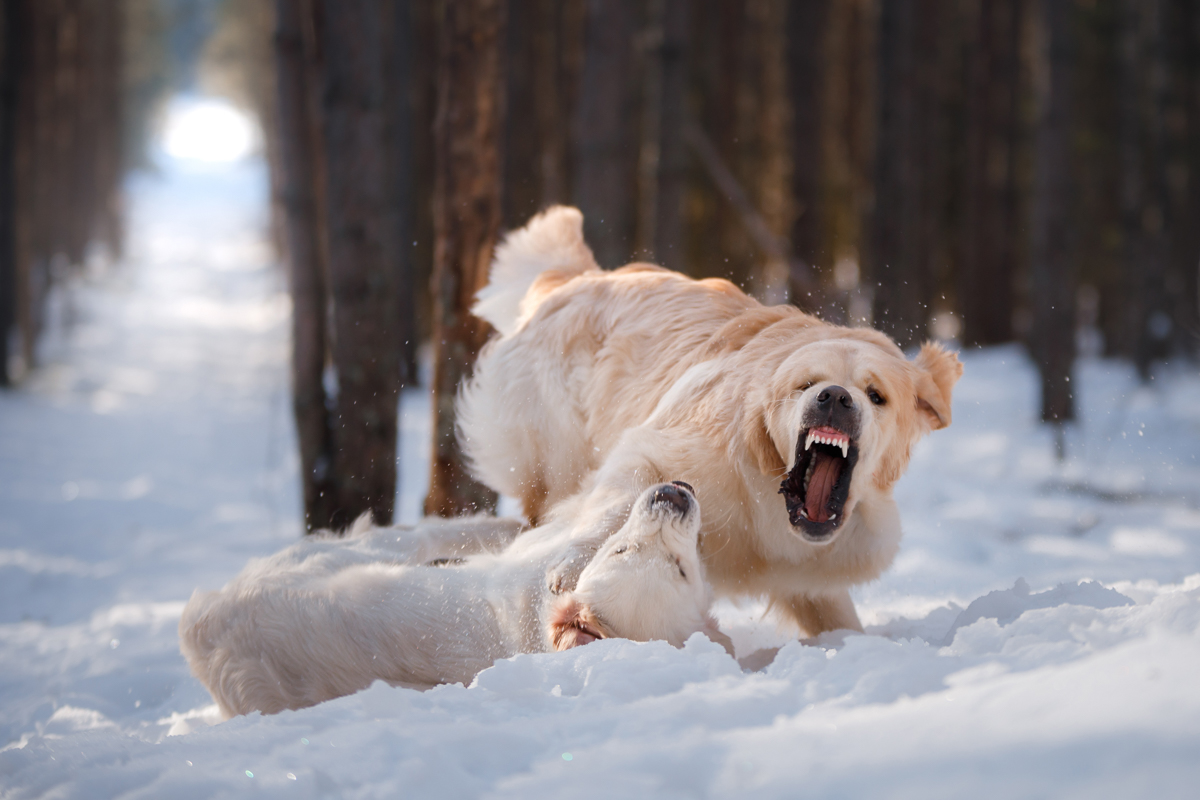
(815, 614)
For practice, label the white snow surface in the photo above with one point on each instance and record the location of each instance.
(1038, 635)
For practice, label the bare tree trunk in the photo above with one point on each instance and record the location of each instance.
(807, 27)
(522, 137)
(363, 249)
(300, 160)
(894, 268)
(987, 274)
(650, 142)
(605, 168)
(773, 174)
(1052, 274)
(672, 153)
(400, 63)
(424, 100)
(1143, 192)
(35, 137)
(558, 54)
(10, 38)
(110, 166)
(1183, 173)
(467, 194)
(662, 154)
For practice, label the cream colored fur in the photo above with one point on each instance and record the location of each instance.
(606, 382)
(329, 616)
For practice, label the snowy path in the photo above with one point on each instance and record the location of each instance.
(154, 454)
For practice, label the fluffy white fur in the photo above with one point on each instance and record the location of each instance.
(329, 616)
(552, 241)
(605, 382)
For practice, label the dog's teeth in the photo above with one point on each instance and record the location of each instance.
(809, 440)
(845, 449)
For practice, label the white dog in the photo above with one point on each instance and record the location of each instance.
(329, 616)
(794, 431)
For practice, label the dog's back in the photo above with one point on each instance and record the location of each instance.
(588, 354)
(347, 617)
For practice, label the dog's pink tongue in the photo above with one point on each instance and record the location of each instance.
(825, 472)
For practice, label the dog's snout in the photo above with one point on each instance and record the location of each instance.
(685, 485)
(834, 394)
(669, 494)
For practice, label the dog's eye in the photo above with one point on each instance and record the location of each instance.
(875, 397)
(620, 550)
(805, 386)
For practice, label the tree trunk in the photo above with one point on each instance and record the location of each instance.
(301, 160)
(522, 183)
(400, 63)
(1051, 267)
(662, 156)
(772, 176)
(467, 192)
(807, 26)
(1183, 174)
(10, 38)
(986, 278)
(1143, 195)
(605, 142)
(895, 270)
(362, 215)
(424, 101)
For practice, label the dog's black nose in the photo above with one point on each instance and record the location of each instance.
(670, 494)
(834, 394)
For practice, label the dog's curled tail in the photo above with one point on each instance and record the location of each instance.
(553, 240)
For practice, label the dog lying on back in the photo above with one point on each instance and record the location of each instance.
(328, 616)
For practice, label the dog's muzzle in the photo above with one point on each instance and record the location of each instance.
(816, 489)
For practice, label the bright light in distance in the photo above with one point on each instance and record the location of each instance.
(208, 130)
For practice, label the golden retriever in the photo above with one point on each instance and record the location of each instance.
(794, 431)
(328, 616)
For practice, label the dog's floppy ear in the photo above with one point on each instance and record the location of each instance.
(939, 370)
(761, 446)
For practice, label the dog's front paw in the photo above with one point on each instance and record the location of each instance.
(563, 576)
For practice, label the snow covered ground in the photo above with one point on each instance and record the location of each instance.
(1038, 635)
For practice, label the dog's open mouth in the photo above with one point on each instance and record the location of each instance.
(579, 633)
(573, 624)
(816, 489)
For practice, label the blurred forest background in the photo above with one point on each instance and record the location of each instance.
(976, 171)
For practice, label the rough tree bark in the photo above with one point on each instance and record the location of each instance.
(362, 214)
(806, 26)
(604, 135)
(1143, 180)
(988, 269)
(399, 65)
(1052, 279)
(301, 161)
(9, 42)
(894, 268)
(526, 27)
(662, 154)
(467, 192)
